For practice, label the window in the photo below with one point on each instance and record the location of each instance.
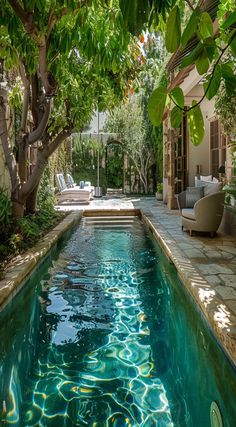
(217, 147)
(181, 158)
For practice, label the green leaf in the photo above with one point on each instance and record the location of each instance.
(229, 78)
(230, 85)
(173, 30)
(176, 116)
(233, 46)
(210, 47)
(195, 124)
(214, 83)
(191, 58)
(229, 21)
(202, 63)
(227, 71)
(178, 96)
(156, 105)
(205, 25)
(191, 27)
(135, 14)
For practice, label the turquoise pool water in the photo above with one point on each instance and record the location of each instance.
(104, 335)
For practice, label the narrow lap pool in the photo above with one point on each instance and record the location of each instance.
(104, 335)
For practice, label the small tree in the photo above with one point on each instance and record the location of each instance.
(66, 59)
(153, 71)
(127, 121)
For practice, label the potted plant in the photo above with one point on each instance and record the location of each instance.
(159, 191)
(230, 190)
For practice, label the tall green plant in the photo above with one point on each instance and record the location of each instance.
(225, 108)
(127, 121)
(84, 159)
(5, 210)
(153, 71)
(46, 195)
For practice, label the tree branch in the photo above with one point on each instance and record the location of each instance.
(38, 132)
(35, 98)
(26, 19)
(65, 133)
(52, 19)
(26, 97)
(42, 158)
(48, 80)
(190, 4)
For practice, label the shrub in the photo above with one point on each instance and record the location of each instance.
(46, 197)
(25, 232)
(159, 187)
(5, 209)
(15, 242)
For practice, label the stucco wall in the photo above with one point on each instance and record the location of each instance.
(200, 155)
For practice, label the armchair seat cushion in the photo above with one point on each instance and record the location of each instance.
(188, 213)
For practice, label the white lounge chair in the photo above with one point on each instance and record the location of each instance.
(72, 184)
(70, 181)
(74, 194)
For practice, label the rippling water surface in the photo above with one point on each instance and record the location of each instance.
(107, 341)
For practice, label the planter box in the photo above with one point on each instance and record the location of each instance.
(159, 196)
(228, 223)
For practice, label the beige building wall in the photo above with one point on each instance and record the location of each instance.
(199, 157)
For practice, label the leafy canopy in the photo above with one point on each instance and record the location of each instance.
(88, 53)
(210, 56)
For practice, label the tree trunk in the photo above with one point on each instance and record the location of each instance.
(17, 210)
(22, 160)
(145, 187)
(31, 201)
(18, 203)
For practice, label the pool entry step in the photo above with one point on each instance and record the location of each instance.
(111, 221)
